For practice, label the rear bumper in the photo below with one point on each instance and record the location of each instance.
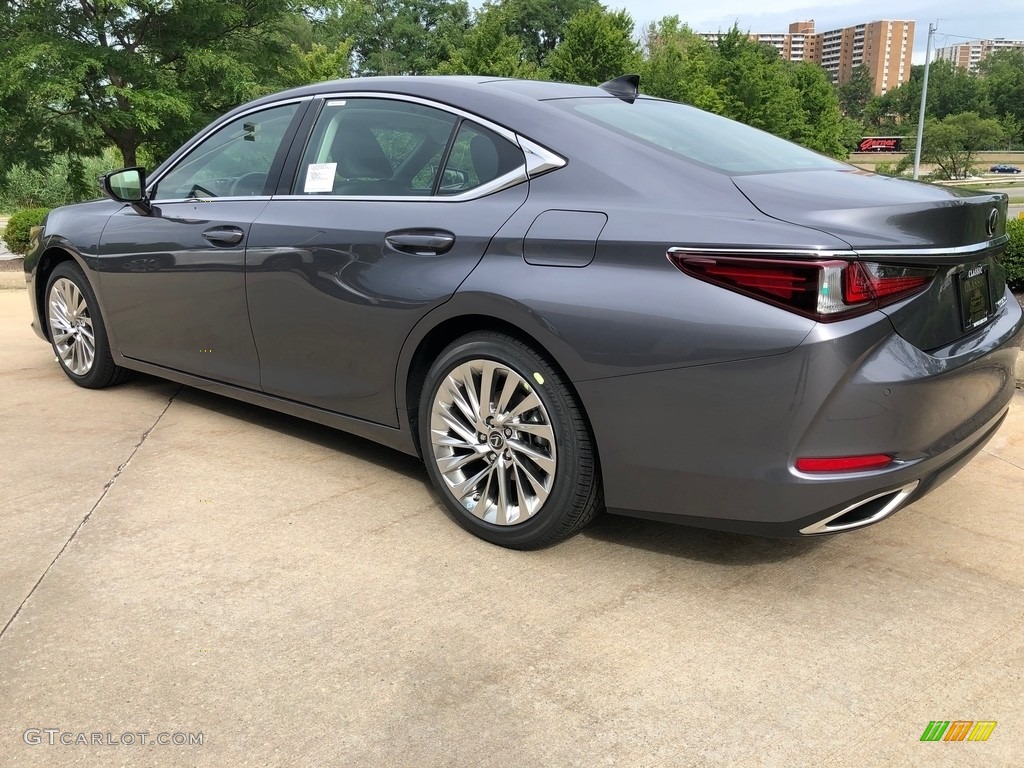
(715, 446)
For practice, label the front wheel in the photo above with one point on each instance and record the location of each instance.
(506, 444)
(77, 332)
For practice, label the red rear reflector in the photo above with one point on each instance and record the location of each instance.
(844, 463)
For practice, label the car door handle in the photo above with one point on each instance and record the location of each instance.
(224, 235)
(421, 242)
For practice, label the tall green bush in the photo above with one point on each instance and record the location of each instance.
(60, 182)
(19, 227)
(1013, 258)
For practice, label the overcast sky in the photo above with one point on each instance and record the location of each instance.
(959, 20)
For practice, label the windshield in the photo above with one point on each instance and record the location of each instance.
(698, 135)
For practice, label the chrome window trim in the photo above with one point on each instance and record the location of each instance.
(500, 130)
(538, 159)
(204, 200)
(510, 179)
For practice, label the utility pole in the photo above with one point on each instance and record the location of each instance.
(924, 98)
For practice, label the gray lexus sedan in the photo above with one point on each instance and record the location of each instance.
(565, 299)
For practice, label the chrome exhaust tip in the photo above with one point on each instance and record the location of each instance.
(864, 512)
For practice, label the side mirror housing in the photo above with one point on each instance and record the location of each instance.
(127, 186)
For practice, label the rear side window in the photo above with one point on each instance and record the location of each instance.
(693, 134)
(478, 156)
(389, 148)
(375, 147)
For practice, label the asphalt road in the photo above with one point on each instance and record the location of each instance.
(176, 563)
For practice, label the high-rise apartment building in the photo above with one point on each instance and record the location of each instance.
(791, 45)
(970, 54)
(884, 47)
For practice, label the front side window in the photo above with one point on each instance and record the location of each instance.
(234, 161)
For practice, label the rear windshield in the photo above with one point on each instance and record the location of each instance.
(698, 135)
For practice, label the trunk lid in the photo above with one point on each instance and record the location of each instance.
(959, 232)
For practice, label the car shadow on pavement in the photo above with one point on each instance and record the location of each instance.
(722, 548)
(718, 547)
(293, 426)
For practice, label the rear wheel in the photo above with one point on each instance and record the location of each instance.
(505, 443)
(77, 333)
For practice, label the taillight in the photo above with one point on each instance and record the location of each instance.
(825, 290)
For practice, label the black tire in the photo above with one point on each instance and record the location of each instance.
(549, 446)
(101, 371)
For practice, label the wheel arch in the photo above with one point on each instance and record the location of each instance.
(428, 340)
(51, 257)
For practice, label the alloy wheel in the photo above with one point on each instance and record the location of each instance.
(493, 442)
(71, 324)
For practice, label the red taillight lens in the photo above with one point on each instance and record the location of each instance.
(825, 290)
(792, 283)
(864, 281)
(844, 463)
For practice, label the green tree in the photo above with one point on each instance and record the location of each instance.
(1003, 79)
(130, 72)
(892, 111)
(823, 127)
(598, 46)
(745, 81)
(487, 48)
(953, 90)
(314, 65)
(399, 37)
(856, 92)
(755, 87)
(952, 142)
(678, 65)
(541, 24)
(1013, 129)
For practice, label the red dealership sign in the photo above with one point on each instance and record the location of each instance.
(881, 144)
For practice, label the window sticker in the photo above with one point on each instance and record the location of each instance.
(320, 177)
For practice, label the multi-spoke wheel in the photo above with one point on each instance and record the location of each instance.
(76, 329)
(506, 444)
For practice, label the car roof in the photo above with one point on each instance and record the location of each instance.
(519, 105)
(454, 84)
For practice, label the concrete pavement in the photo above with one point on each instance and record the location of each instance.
(176, 563)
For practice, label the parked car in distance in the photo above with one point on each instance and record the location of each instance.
(1003, 168)
(564, 299)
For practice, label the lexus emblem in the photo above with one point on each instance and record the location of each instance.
(993, 221)
(495, 441)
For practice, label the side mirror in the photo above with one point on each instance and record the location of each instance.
(127, 186)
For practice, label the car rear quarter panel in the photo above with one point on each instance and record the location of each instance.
(716, 445)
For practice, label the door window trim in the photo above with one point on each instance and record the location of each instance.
(536, 158)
